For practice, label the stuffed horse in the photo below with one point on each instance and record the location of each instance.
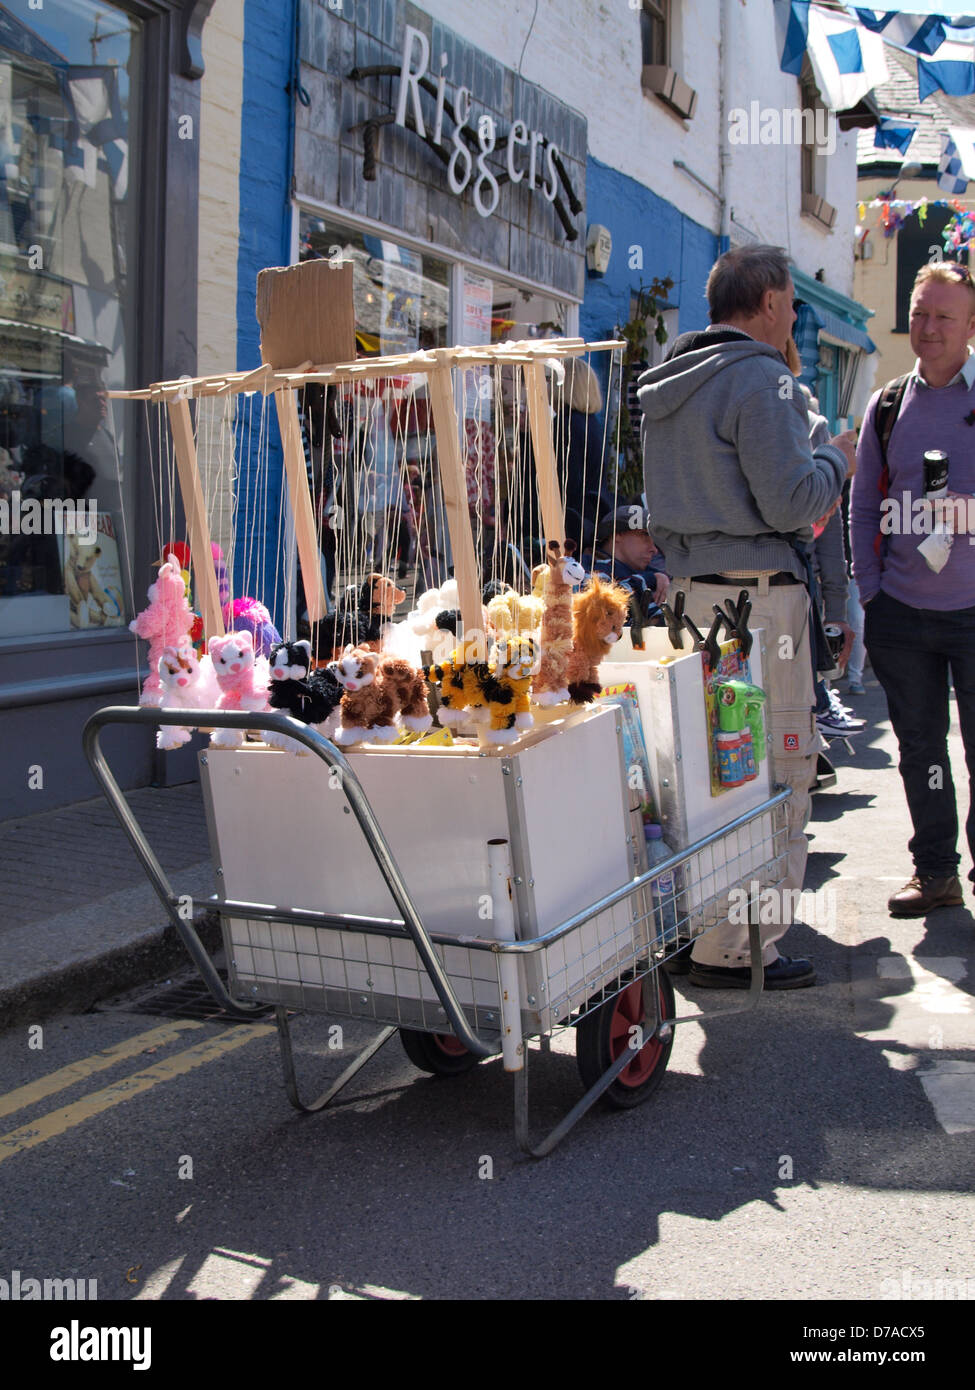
(553, 584)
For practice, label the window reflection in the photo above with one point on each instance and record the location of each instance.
(66, 196)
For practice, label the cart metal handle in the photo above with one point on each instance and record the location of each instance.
(152, 717)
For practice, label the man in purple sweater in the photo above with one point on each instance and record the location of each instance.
(920, 624)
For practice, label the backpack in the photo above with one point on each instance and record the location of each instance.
(888, 409)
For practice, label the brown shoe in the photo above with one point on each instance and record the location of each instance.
(923, 894)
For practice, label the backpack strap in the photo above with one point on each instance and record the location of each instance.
(888, 409)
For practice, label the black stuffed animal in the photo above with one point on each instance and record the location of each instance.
(312, 697)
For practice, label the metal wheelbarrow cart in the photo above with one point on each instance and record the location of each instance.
(489, 908)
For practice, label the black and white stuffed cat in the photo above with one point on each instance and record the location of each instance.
(313, 697)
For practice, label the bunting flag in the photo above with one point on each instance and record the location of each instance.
(894, 133)
(952, 71)
(847, 60)
(792, 30)
(919, 33)
(950, 176)
(957, 160)
(846, 49)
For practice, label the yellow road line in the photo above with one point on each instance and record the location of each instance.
(46, 1086)
(58, 1121)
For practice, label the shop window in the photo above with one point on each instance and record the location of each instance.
(69, 89)
(376, 466)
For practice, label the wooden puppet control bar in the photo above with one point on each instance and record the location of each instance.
(438, 366)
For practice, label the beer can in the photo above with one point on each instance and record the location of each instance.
(834, 636)
(935, 473)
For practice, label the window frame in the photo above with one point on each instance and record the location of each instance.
(655, 33)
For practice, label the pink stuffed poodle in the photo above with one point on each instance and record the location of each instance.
(242, 680)
(188, 682)
(165, 623)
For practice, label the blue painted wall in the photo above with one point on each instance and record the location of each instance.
(264, 230)
(671, 243)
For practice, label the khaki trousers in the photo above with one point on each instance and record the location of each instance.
(783, 612)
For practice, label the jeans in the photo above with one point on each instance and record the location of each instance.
(854, 616)
(911, 651)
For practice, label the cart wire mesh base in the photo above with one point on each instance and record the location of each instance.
(456, 1000)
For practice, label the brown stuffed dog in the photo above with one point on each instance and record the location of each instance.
(362, 618)
(377, 688)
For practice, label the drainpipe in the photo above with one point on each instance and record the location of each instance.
(724, 142)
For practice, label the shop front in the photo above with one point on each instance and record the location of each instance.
(457, 191)
(91, 96)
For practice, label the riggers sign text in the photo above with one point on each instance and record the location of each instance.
(527, 149)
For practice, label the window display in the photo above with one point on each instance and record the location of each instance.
(67, 112)
(392, 520)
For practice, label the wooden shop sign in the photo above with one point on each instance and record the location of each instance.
(530, 157)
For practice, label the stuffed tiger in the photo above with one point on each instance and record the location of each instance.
(494, 692)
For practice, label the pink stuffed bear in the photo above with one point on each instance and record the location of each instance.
(165, 623)
(242, 679)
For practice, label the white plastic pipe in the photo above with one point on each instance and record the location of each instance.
(503, 917)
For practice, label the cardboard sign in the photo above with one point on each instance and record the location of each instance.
(306, 313)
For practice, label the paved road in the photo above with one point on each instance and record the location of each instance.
(817, 1150)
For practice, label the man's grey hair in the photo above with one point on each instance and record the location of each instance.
(740, 277)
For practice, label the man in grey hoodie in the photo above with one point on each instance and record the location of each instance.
(733, 489)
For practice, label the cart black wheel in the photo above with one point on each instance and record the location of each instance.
(440, 1053)
(602, 1034)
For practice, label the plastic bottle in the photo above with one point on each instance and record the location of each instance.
(664, 889)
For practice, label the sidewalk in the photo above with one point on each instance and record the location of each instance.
(78, 918)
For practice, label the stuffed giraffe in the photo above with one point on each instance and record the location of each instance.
(553, 584)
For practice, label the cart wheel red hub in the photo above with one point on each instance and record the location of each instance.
(603, 1035)
(439, 1053)
(627, 1015)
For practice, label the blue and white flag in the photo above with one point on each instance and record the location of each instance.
(847, 60)
(952, 70)
(791, 31)
(942, 44)
(919, 33)
(894, 133)
(957, 160)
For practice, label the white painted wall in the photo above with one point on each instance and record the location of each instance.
(587, 53)
(220, 105)
(220, 94)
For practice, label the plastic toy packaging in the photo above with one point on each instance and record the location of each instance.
(740, 740)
